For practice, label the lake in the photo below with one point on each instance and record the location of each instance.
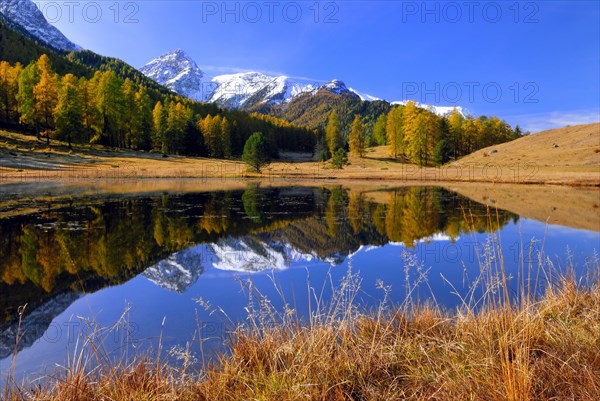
(179, 265)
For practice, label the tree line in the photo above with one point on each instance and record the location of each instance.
(418, 135)
(109, 110)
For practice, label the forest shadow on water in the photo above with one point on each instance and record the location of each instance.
(164, 257)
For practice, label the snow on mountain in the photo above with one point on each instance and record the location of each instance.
(250, 254)
(338, 87)
(247, 255)
(439, 110)
(247, 89)
(177, 71)
(364, 96)
(179, 271)
(437, 237)
(180, 73)
(27, 15)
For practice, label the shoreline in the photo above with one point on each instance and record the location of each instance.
(428, 175)
(527, 161)
(565, 205)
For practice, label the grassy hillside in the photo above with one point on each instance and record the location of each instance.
(569, 147)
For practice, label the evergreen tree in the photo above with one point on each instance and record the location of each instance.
(68, 113)
(142, 138)
(178, 118)
(442, 152)
(130, 116)
(518, 132)
(357, 137)
(110, 104)
(87, 89)
(256, 152)
(321, 152)
(333, 133)
(339, 159)
(379, 130)
(159, 123)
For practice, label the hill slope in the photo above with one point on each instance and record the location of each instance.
(565, 148)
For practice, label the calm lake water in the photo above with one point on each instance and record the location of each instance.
(156, 266)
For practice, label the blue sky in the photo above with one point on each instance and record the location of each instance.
(536, 64)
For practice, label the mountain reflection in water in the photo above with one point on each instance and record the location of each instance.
(49, 258)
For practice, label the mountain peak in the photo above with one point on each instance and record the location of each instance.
(245, 90)
(179, 72)
(335, 85)
(25, 14)
(177, 59)
(177, 53)
(248, 89)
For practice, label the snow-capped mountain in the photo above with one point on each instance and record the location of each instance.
(251, 255)
(182, 269)
(248, 89)
(179, 271)
(338, 87)
(245, 90)
(25, 14)
(178, 72)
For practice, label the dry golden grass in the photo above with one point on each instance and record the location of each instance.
(570, 147)
(532, 349)
(532, 159)
(545, 350)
